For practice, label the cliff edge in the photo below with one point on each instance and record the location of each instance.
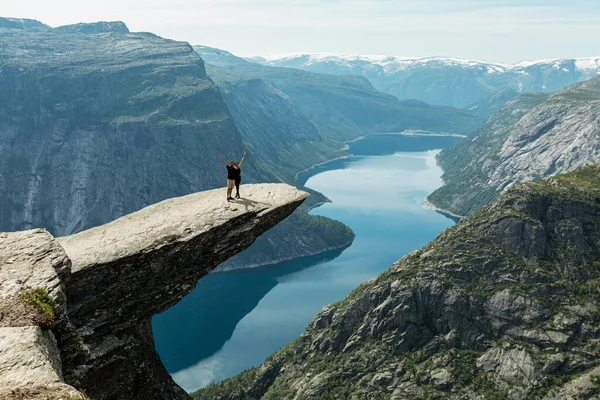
(75, 312)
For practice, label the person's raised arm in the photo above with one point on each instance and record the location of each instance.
(223, 161)
(243, 158)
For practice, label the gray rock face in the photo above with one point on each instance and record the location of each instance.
(95, 126)
(30, 361)
(532, 137)
(116, 277)
(97, 122)
(503, 305)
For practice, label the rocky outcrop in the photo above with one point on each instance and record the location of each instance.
(503, 305)
(106, 283)
(30, 361)
(97, 122)
(534, 136)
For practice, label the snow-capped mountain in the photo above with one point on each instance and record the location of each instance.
(442, 80)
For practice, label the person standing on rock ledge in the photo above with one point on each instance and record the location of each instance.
(234, 176)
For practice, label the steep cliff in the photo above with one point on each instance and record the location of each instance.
(532, 137)
(97, 291)
(283, 141)
(280, 136)
(503, 305)
(128, 118)
(33, 268)
(96, 122)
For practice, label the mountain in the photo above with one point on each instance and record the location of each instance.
(97, 122)
(534, 136)
(345, 107)
(282, 138)
(503, 305)
(445, 81)
(22, 23)
(93, 126)
(487, 106)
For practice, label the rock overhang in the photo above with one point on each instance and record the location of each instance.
(122, 273)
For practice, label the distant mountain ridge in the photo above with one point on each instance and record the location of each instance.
(344, 107)
(445, 80)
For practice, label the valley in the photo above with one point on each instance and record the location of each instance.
(378, 193)
(409, 227)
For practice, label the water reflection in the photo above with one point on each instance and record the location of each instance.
(202, 330)
(234, 320)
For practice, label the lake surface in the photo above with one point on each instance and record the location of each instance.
(234, 320)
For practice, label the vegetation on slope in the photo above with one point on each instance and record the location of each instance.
(345, 107)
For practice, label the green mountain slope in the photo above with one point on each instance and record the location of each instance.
(97, 122)
(282, 141)
(279, 135)
(503, 305)
(532, 137)
(345, 107)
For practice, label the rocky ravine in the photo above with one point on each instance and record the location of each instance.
(105, 285)
(503, 305)
(534, 136)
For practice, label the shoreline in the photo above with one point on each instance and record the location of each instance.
(430, 206)
(323, 163)
(426, 203)
(292, 258)
(409, 132)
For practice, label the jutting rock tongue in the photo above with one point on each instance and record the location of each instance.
(106, 284)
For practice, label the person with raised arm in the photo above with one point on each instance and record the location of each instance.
(234, 176)
(231, 174)
(238, 176)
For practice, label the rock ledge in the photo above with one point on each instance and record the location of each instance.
(107, 283)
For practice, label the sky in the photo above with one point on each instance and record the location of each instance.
(493, 30)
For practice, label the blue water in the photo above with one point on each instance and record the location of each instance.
(234, 320)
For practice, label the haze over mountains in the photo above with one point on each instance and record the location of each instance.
(445, 81)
